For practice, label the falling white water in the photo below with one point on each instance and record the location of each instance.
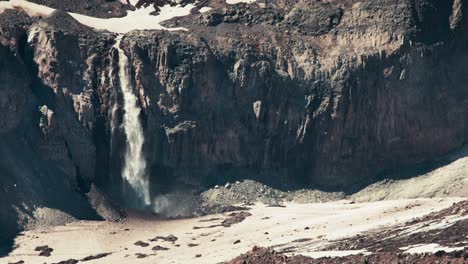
(134, 165)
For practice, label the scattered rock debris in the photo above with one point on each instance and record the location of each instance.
(265, 255)
(69, 261)
(141, 255)
(391, 239)
(45, 251)
(169, 238)
(235, 218)
(19, 262)
(209, 220)
(159, 248)
(141, 243)
(98, 256)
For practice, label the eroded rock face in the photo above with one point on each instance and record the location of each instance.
(323, 93)
(48, 153)
(331, 100)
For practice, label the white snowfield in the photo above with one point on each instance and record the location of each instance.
(140, 19)
(233, 2)
(431, 248)
(305, 227)
(205, 9)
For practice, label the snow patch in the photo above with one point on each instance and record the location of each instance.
(140, 19)
(233, 2)
(442, 224)
(428, 248)
(205, 9)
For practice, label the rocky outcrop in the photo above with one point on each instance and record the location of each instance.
(328, 94)
(95, 8)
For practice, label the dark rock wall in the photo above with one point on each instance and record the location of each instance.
(328, 94)
(47, 150)
(229, 100)
(221, 113)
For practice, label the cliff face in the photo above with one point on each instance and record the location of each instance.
(330, 99)
(322, 93)
(46, 144)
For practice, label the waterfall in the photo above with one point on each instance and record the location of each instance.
(134, 166)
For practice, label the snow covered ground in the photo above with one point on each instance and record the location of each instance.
(301, 228)
(140, 19)
(424, 248)
(233, 2)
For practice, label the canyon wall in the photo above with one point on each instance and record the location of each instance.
(327, 94)
(323, 94)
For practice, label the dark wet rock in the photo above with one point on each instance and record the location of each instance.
(159, 248)
(141, 244)
(207, 207)
(45, 251)
(141, 255)
(169, 238)
(277, 205)
(69, 261)
(97, 256)
(209, 220)
(205, 227)
(18, 262)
